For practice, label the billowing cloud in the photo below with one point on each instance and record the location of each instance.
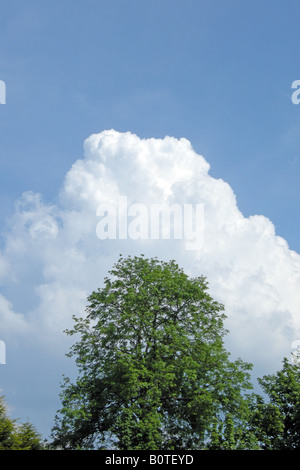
(52, 257)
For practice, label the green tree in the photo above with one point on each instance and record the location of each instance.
(153, 370)
(281, 416)
(14, 436)
(265, 422)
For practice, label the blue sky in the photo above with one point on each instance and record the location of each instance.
(216, 73)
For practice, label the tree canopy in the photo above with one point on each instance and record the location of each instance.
(283, 391)
(14, 436)
(153, 372)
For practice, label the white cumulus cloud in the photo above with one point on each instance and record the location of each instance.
(52, 258)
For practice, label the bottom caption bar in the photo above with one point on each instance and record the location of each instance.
(189, 459)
